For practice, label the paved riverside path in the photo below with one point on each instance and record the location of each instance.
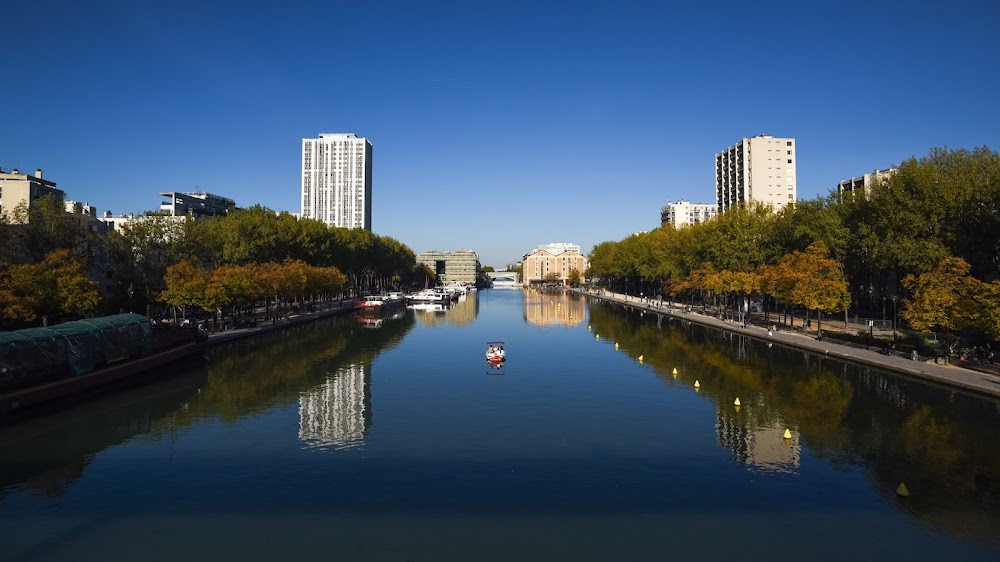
(946, 375)
(215, 338)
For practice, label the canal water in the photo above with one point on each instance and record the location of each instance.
(392, 439)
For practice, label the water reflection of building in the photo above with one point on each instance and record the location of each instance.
(461, 313)
(759, 446)
(338, 412)
(556, 308)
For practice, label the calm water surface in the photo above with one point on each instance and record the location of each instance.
(353, 440)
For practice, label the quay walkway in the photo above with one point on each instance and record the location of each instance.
(228, 335)
(984, 379)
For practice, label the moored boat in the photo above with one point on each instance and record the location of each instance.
(427, 296)
(380, 301)
(40, 366)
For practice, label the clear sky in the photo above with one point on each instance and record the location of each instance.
(497, 126)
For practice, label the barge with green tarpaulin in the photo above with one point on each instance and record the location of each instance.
(59, 364)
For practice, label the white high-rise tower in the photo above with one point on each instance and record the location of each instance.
(337, 180)
(761, 168)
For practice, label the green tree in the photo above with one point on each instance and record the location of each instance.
(987, 309)
(810, 279)
(574, 277)
(55, 288)
(943, 299)
(186, 285)
(43, 228)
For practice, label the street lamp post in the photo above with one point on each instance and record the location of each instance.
(895, 317)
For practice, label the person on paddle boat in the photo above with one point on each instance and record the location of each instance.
(501, 353)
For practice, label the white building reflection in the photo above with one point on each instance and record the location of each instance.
(338, 413)
(762, 446)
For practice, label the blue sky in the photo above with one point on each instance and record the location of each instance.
(496, 126)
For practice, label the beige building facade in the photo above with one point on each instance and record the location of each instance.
(23, 189)
(460, 266)
(542, 266)
(761, 168)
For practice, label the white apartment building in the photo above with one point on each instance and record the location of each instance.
(684, 213)
(860, 183)
(761, 168)
(337, 180)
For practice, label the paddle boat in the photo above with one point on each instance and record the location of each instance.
(495, 353)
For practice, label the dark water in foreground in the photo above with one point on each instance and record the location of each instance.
(343, 440)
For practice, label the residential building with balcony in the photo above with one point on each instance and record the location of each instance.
(860, 183)
(197, 204)
(683, 213)
(761, 168)
(337, 180)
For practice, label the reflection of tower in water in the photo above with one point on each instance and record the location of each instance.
(337, 413)
(760, 446)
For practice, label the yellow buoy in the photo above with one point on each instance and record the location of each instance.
(640, 358)
(697, 384)
(788, 434)
(588, 327)
(902, 491)
(597, 336)
(616, 346)
(737, 402)
(675, 370)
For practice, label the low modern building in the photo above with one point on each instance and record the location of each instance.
(684, 213)
(542, 266)
(86, 215)
(858, 184)
(198, 204)
(23, 189)
(460, 266)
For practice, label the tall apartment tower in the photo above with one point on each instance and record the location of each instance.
(761, 168)
(337, 180)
